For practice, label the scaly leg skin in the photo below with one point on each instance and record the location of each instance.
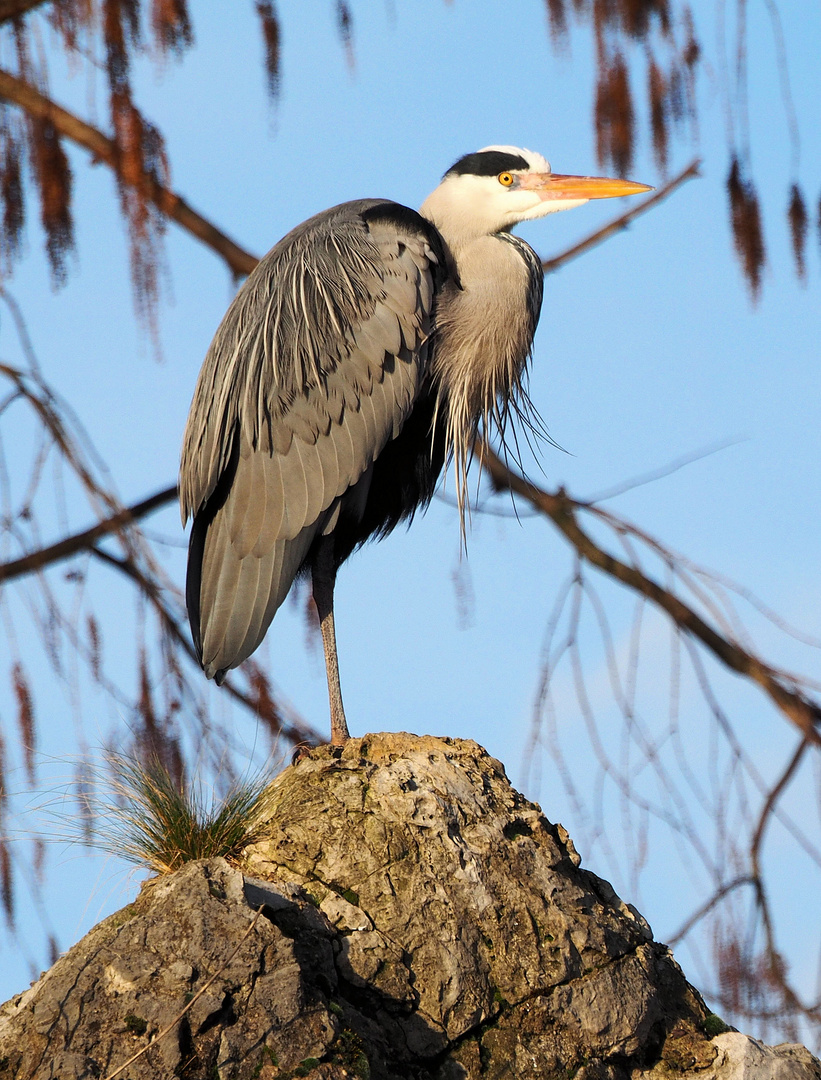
(324, 577)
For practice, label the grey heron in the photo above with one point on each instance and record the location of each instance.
(368, 346)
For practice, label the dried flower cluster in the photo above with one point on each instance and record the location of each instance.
(617, 26)
(659, 27)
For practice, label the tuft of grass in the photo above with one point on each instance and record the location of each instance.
(154, 822)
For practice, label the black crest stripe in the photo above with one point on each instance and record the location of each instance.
(487, 163)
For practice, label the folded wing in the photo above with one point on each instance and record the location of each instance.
(313, 371)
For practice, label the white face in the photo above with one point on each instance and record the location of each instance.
(526, 197)
(474, 200)
(466, 205)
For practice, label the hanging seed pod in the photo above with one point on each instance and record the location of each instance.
(3, 789)
(94, 648)
(622, 120)
(798, 219)
(691, 53)
(11, 189)
(53, 176)
(602, 120)
(677, 97)
(271, 38)
(615, 121)
(121, 29)
(141, 157)
(171, 25)
(689, 57)
(69, 18)
(344, 23)
(657, 92)
(745, 219)
(557, 18)
(25, 719)
(602, 18)
(6, 881)
(635, 17)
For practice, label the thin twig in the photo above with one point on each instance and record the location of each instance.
(620, 223)
(295, 732)
(104, 149)
(193, 1001)
(63, 549)
(771, 800)
(705, 909)
(561, 509)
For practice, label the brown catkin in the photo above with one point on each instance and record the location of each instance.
(344, 24)
(25, 718)
(557, 19)
(657, 92)
(615, 121)
(171, 25)
(6, 881)
(745, 220)
(53, 175)
(271, 39)
(798, 219)
(94, 648)
(11, 189)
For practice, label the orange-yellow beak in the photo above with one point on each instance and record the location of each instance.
(556, 186)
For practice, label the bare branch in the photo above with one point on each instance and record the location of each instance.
(618, 224)
(560, 508)
(11, 9)
(294, 732)
(104, 149)
(63, 549)
(707, 907)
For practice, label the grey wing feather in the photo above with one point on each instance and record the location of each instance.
(313, 370)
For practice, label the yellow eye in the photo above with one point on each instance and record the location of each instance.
(505, 179)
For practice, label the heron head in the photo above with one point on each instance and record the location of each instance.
(495, 188)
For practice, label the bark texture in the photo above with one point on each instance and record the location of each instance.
(420, 920)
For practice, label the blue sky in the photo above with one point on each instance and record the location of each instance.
(648, 350)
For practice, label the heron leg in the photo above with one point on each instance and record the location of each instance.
(323, 572)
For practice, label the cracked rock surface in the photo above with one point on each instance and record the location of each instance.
(418, 920)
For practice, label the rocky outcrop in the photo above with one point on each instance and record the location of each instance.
(407, 915)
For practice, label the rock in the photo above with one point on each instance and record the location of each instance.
(407, 916)
(743, 1058)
